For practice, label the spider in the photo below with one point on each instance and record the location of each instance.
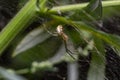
(60, 33)
(64, 37)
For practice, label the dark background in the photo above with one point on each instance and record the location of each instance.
(8, 9)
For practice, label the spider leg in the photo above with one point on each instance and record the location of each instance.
(68, 51)
(51, 33)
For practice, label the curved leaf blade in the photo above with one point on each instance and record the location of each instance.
(97, 66)
(32, 39)
(94, 8)
(112, 40)
(9, 75)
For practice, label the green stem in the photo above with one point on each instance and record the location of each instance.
(27, 15)
(80, 6)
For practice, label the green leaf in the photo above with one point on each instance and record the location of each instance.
(35, 37)
(91, 14)
(9, 75)
(75, 36)
(94, 8)
(97, 66)
(112, 40)
(40, 52)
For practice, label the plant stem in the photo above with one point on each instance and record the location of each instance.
(80, 6)
(27, 15)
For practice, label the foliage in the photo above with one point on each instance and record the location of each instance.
(32, 51)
